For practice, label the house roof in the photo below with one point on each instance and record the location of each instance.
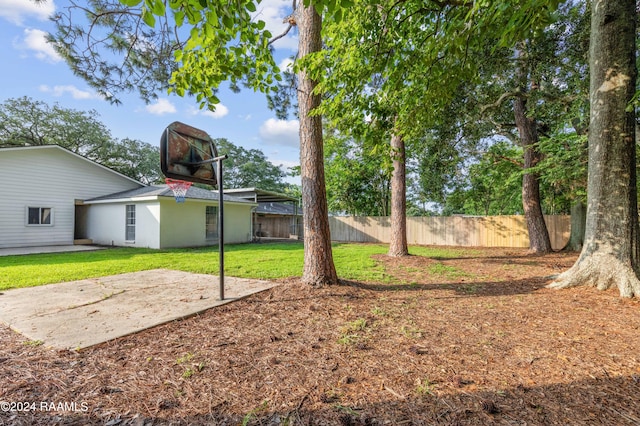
(154, 191)
(284, 209)
(259, 195)
(58, 147)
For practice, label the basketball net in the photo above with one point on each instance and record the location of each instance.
(179, 188)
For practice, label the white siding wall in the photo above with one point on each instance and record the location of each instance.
(237, 223)
(183, 224)
(48, 177)
(107, 222)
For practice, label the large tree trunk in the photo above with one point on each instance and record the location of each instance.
(578, 225)
(539, 241)
(398, 240)
(318, 260)
(610, 253)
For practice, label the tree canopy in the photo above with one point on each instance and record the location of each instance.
(358, 177)
(27, 122)
(248, 168)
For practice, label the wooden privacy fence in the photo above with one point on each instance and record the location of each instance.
(482, 231)
(277, 226)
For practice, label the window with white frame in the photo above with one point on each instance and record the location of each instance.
(130, 231)
(39, 216)
(211, 223)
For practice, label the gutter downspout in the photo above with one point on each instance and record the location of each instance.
(252, 219)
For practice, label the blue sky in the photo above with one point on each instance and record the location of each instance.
(31, 68)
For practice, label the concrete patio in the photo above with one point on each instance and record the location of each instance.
(79, 314)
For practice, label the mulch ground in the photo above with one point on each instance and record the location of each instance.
(476, 340)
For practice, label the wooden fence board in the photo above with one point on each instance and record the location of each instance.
(485, 231)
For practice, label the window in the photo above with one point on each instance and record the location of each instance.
(211, 223)
(39, 216)
(130, 232)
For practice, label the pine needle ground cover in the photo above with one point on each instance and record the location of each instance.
(451, 337)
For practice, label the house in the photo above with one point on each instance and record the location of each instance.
(277, 215)
(52, 196)
(150, 217)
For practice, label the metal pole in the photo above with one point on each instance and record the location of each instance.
(221, 223)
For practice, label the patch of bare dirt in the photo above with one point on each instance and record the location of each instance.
(468, 341)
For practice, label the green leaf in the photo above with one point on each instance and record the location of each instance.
(179, 18)
(131, 3)
(148, 18)
(157, 7)
(251, 7)
(212, 17)
(193, 16)
(227, 21)
(192, 42)
(338, 16)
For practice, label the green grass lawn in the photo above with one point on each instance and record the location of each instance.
(261, 261)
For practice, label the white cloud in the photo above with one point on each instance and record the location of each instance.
(281, 132)
(16, 11)
(35, 41)
(286, 63)
(160, 107)
(59, 91)
(272, 12)
(221, 111)
(285, 164)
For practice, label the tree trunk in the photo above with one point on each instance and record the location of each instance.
(398, 239)
(318, 267)
(610, 253)
(578, 224)
(539, 241)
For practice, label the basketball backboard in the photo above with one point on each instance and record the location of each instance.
(187, 153)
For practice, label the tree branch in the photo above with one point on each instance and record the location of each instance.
(291, 20)
(454, 3)
(501, 157)
(278, 37)
(513, 94)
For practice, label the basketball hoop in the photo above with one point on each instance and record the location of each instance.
(179, 188)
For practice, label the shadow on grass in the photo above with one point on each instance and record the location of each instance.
(115, 254)
(597, 400)
(524, 256)
(111, 254)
